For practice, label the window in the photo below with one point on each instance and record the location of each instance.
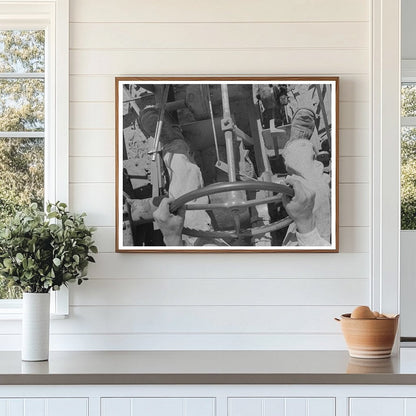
(22, 124)
(408, 155)
(408, 202)
(33, 111)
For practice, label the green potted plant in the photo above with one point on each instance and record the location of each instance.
(40, 252)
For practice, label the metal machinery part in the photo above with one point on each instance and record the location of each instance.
(236, 207)
(198, 101)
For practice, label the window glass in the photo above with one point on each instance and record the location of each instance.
(408, 157)
(22, 51)
(22, 125)
(22, 173)
(22, 105)
(408, 100)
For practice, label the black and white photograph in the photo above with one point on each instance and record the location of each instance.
(227, 164)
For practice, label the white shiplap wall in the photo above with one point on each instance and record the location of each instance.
(253, 301)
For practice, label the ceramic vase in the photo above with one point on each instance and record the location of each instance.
(35, 326)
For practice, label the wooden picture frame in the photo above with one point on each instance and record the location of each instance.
(227, 158)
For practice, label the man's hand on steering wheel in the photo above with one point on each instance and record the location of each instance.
(300, 207)
(170, 225)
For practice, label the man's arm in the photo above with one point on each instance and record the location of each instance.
(170, 225)
(300, 209)
(311, 239)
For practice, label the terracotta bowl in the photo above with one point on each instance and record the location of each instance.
(369, 338)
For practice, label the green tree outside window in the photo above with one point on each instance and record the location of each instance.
(22, 65)
(408, 160)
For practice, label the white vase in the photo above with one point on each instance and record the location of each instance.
(35, 326)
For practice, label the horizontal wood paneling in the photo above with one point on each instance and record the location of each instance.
(195, 320)
(95, 143)
(105, 239)
(354, 239)
(354, 208)
(201, 319)
(92, 88)
(354, 142)
(354, 115)
(219, 62)
(92, 115)
(92, 169)
(98, 88)
(146, 342)
(218, 11)
(220, 291)
(101, 115)
(218, 35)
(267, 265)
(354, 169)
(230, 301)
(96, 199)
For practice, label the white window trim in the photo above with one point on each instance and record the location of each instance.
(408, 121)
(408, 75)
(385, 96)
(52, 15)
(409, 70)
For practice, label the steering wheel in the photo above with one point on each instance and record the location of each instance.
(235, 207)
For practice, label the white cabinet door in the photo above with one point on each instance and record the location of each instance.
(146, 406)
(254, 406)
(44, 407)
(382, 407)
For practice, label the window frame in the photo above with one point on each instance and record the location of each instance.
(385, 151)
(53, 17)
(408, 75)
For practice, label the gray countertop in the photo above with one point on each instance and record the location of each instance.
(207, 367)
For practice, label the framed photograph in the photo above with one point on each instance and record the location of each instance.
(237, 164)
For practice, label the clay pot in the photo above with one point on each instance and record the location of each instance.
(369, 338)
